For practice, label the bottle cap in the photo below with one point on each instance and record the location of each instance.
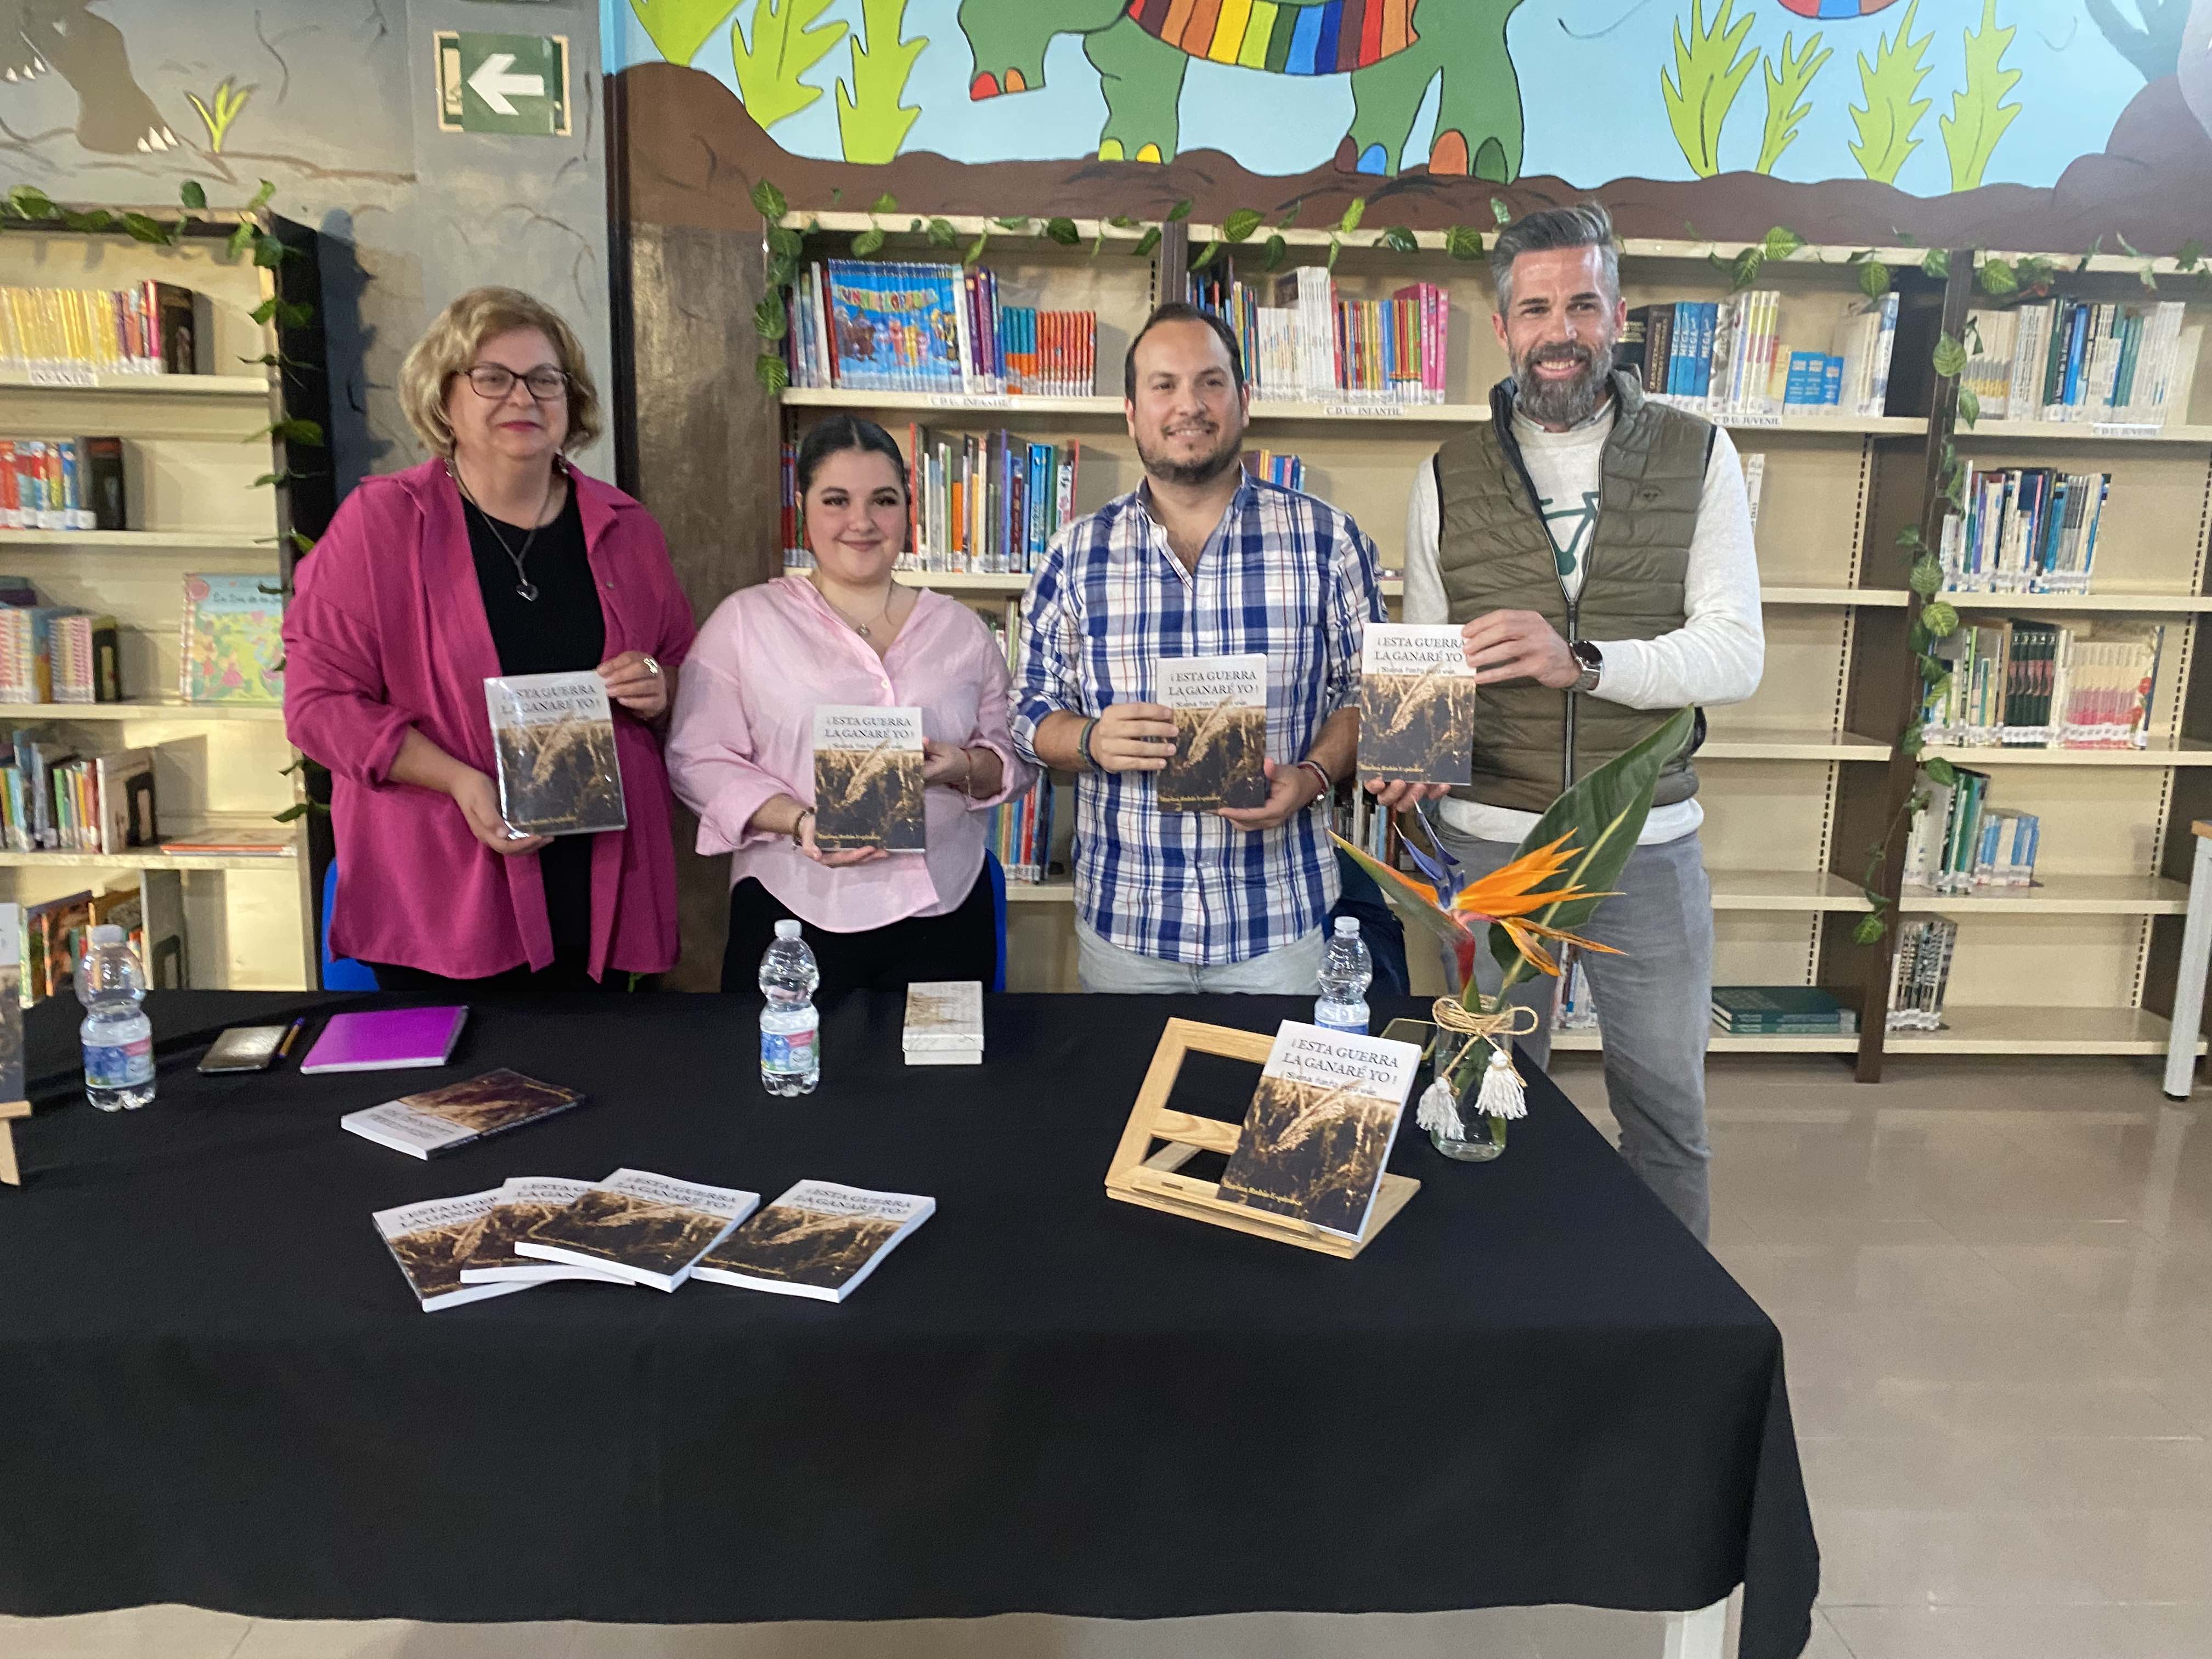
(786, 929)
(1347, 927)
(107, 934)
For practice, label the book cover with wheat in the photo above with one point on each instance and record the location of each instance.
(430, 1241)
(522, 1203)
(1320, 1126)
(644, 1226)
(554, 735)
(867, 778)
(1220, 708)
(819, 1239)
(1417, 704)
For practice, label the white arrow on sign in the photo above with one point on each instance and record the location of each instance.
(492, 82)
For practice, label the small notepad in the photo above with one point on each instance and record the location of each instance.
(389, 1041)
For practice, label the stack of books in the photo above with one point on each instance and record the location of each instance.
(1959, 843)
(872, 326)
(1780, 1011)
(65, 336)
(2065, 359)
(1920, 974)
(54, 800)
(944, 1024)
(2024, 684)
(2025, 529)
(62, 483)
(1301, 342)
(57, 653)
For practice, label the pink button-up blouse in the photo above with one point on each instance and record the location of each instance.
(385, 631)
(745, 732)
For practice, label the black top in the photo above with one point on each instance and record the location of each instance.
(561, 631)
(1533, 1385)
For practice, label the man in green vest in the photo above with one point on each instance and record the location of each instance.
(1595, 545)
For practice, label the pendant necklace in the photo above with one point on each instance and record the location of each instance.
(865, 629)
(517, 558)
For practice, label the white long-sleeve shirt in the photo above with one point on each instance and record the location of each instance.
(1716, 656)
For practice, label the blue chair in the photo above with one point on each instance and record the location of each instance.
(998, 874)
(340, 973)
(1378, 925)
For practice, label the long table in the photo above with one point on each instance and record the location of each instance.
(215, 1388)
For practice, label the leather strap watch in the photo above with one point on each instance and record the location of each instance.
(1593, 662)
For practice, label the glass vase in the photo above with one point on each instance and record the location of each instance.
(1480, 1136)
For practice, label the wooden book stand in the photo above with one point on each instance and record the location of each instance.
(1139, 1175)
(9, 1172)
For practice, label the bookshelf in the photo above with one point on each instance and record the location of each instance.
(1797, 781)
(194, 444)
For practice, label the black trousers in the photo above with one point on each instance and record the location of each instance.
(567, 974)
(962, 943)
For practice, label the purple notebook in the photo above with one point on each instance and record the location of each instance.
(387, 1041)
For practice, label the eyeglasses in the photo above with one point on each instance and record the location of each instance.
(492, 380)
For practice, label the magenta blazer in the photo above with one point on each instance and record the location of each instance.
(385, 631)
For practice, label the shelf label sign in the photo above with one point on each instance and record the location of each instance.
(511, 83)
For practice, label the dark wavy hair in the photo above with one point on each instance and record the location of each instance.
(839, 434)
(1177, 310)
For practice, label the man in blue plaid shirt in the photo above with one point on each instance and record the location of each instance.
(1201, 560)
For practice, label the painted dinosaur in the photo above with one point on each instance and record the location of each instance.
(1393, 50)
(114, 114)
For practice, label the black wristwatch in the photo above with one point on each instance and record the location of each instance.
(1593, 662)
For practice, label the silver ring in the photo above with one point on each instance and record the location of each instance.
(652, 668)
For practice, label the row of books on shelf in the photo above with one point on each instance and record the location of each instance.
(872, 326)
(2023, 685)
(2025, 530)
(56, 653)
(53, 932)
(1959, 843)
(1921, 973)
(1276, 468)
(976, 501)
(62, 483)
(230, 645)
(1737, 1010)
(2065, 359)
(1729, 357)
(53, 799)
(1021, 829)
(64, 336)
(1302, 341)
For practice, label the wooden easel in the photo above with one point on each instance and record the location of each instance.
(9, 1172)
(1138, 1176)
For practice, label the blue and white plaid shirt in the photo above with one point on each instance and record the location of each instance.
(1284, 576)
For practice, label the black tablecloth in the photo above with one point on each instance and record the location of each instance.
(215, 1388)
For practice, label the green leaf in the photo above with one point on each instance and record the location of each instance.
(144, 229)
(1399, 240)
(1979, 114)
(867, 242)
(296, 431)
(786, 242)
(1145, 243)
(2189, 255)
(1937, 262)
(1909, 536)
(1353, 213)
(271, 478)
(1239, 226)
(772, 371)
(1015, 223)
(1940, 618)
(193, 195)
(1707, 76)
(1941, 771)
(1890, 83)
(770, 321)
(97, 220)
(1206, 256)
(1277, 248)
(1123, 222)
(241, 239)
(1870, 928)
(1500, 212)
(29, 201)
(1874, 279)
(1463, 242)
(298, 809)
(781, 272)
(1602, 814)
(769, 200)
(1063, 231)
(1969, 406)
(1335, 248)
(1950, 358)
(261, 198)
(2148, 276)
(1780, 242)
(268, 252)
(975, 248)
(1745, 271)
(1180, 210)
(1914, 740)
(2126, 246)
(1926, 577)
(941, 233)
(885, 202)
(288, 313)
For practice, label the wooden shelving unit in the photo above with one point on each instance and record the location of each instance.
(1799, 780)
(193, 445)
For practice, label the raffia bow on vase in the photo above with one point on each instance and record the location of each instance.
(1503, 1093)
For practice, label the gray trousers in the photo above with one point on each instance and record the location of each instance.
(1654, 1002)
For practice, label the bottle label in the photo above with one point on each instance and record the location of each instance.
(119, 1065)
(788, 1053)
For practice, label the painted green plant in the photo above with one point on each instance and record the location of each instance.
(870, 120)
(1787, 81)
(1979, 114)
(220, 108)
(1890, 85)
(789, 38)
(680, 27)
(1707, 75)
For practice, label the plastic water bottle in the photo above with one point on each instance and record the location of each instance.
(118, 1038)
(791, 1050)
(1346, 972)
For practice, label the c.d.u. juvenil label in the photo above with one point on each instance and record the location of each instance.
(1320, 1126)
(1417, 703)
(1220, 706)
(554, 735)
(867, 778)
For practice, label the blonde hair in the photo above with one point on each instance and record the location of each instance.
(450, 345)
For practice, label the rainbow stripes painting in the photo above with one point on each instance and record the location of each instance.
(1327, 38)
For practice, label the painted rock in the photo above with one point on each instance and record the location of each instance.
(2195, 69)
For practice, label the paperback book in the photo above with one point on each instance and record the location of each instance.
(1220, 706)
(818, 1240)
(431, 1240)
(1320, 1126)
(555, 737)
(867, 778)
(639, 1226)
(1780, 1011)
(438, 1120)
(943, 1023)
(522, 1202)
(232, 647)
(1417, 704)
(389, 1040)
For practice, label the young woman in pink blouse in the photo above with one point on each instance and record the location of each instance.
(741, 752)
(494, 557)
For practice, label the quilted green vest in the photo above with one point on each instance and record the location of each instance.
(1495, 555)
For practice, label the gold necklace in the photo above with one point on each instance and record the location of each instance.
(862, 629)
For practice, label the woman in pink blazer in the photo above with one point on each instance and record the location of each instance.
(496, 557)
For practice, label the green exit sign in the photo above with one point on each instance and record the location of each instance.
(511, 83)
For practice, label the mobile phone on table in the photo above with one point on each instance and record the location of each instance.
(245, 1048)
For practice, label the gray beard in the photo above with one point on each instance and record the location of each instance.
(1563, 402)
(1189, 474)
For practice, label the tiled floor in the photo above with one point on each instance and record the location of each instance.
(1997, 1290)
